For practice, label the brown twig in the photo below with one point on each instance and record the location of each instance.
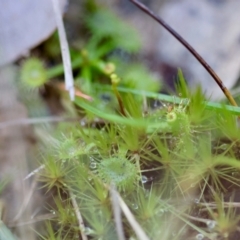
(190, 48)
(77, 92)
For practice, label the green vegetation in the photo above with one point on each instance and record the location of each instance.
(175, 165)
(171, 165)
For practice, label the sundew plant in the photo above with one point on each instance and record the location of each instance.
(175, 167)
(123, 168)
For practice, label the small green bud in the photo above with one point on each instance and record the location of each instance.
(115, 79)
(33, 74)
(171, 117)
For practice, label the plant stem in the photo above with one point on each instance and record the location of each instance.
(171, 99)
(115, 81)
(190, 48)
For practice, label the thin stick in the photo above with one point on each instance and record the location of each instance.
(35, 171)
(64, 49)
(31, 121)
(117, 213)
(131, 219)
(190, 48)
(79, 216)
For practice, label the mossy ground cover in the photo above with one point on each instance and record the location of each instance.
(134, 164)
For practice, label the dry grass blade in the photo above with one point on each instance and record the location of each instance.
(131, 219)
(190, 48)
(117, 213)
(65, 50)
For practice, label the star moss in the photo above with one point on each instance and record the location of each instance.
(119, 171)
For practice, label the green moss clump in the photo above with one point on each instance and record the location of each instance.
(119, 171)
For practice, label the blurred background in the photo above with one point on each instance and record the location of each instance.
(27, 29)
(210, 26)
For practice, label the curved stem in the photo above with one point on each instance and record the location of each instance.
(190, 48)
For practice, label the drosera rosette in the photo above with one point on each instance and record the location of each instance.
(178, 119)
(33, 73)
(119, 171)
(179, 123)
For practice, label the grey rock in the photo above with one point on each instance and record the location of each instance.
(212, 28)
(23, 25)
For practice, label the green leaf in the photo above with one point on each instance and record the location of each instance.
(106, 25)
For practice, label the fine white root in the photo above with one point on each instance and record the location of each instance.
(69, 83)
